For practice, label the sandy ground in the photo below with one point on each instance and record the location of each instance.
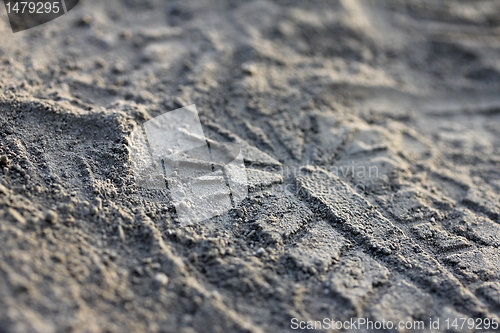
(371, 134)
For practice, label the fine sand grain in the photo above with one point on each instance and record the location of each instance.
(371, 134)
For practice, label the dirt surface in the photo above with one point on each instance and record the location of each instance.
(371, 134)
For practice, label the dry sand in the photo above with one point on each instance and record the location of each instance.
(371, 134)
